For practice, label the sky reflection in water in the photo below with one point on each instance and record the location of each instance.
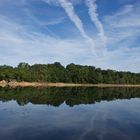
(79, 119)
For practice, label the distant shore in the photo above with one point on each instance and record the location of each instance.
(4, 83)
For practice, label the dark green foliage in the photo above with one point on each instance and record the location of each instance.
(71, 74)
(71, 96)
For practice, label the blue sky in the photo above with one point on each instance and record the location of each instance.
(103, 33)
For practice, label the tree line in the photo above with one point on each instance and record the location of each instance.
(72, 73)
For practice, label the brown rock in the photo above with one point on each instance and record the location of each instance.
(3, 83)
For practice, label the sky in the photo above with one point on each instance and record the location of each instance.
(101, 33)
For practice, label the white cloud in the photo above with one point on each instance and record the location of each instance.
(49, 22)
(19, 43)
(69, 9)
(128, 16)
(123, 26)
(92, 10)
(56, 2)
(123, 30)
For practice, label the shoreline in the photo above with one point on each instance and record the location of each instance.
(4, 83)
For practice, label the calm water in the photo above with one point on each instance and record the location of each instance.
(69, 114)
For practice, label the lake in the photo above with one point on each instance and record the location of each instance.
(70, 113)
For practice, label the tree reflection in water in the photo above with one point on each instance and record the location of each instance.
(71, 96)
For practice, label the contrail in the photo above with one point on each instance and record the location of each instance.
(92, 10)
(69, 9)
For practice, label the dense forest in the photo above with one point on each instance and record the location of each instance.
(72, 73)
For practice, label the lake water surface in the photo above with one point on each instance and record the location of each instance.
(70, 114)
